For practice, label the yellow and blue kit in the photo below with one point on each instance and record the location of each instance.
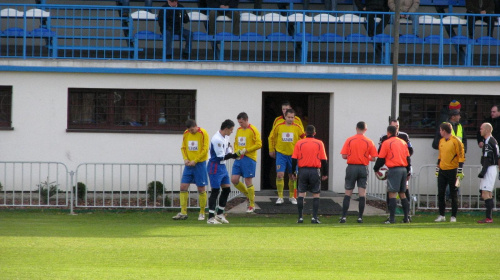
(283, 138)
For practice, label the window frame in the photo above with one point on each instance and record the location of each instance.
(105, 110)
(6, 124)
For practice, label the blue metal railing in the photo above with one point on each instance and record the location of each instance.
(243, 35)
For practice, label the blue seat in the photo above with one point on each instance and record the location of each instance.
(436, 39)
(308, 36)
(461, 40)
(278, 36)
(252, 37)
(201, 36)
(410, 39)
(226, 36)
(147, 35)
(383, 38)
(331, 37)
(358, 38)
(487, 41)
(42, 32)
(13, 32)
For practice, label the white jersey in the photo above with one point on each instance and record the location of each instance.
(219, 147)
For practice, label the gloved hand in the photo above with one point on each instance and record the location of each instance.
(243, 152)
(238, 152)
(481, 174)
(460, 173)
(437, 171)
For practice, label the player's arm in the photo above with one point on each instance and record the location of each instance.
(381, 158)
(205, 144)
(184, 149)
(298, 121)
(272, 140)
(408, 143)
(257, 141)
(373, 152)
(302, 134)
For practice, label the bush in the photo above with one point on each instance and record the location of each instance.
(1, 187)
(81, 191)
(47, 190)
(497, 194)
(167, 201)
(155, 189)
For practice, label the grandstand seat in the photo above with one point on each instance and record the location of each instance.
(37, 13)
(201, 36)
(226, 36)
(299, 17)
(410, 39)
(429, 20)
(325, 18)
(487, 41)
(197, 16)
(436, 39)
(252, 37)
(358, 38)
(307, 36)
(14, 32)
(278, 36)
(352, 18)
(249, 17)
(9, 12)
(143, 15)
(331, 37)
(274, 17)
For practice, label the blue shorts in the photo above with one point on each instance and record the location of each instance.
(195, 174)
(283, 163)
(244, 167)
(217, 174)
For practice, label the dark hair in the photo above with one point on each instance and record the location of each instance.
(285, 103)
(243, 116)
(310, 130)
(227, 124)
(190, 123)
(393, 120)
(290, 111)
(392, 130)
(361, 125)
(446, 126)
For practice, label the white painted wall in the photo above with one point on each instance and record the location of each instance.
(39, 115)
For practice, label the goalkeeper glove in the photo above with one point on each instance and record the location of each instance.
(460, 173)
(437, 171)
(238, 152)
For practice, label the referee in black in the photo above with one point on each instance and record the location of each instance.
(309, 153)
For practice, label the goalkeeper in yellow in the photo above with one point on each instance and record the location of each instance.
(246, 143)
(281, 119)
(281, 144)
(195, 145)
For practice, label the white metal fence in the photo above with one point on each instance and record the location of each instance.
(95, 185)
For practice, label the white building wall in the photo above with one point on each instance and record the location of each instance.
(39, 115)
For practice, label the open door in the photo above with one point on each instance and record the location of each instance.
(319, 116)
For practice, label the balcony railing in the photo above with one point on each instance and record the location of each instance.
(245, 35)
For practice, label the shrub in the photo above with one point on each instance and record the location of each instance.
(1, 187)
(80, 190)
(47, 189)
(155, 189)
(167, 201)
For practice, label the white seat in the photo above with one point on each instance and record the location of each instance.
(274, 17)
(197, 16)
(223, 18)
(428, 20)
(299, 17)
(352, 18)
(143, 15)
(249, 17)
(37, 13)
(11, 13)
(325, 18)
(404, 21)
(454, 20)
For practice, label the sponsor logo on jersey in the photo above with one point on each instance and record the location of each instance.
(242, 141)
(193, 146)
(287, 137)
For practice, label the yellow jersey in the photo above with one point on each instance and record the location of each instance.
(248, 138)
(283, 138)
(281, 119)
(451, 153)
(195, 146)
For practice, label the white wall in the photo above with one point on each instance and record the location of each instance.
(39, 115)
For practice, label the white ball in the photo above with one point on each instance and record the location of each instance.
(382, 173)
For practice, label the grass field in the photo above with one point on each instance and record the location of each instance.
(51, 244)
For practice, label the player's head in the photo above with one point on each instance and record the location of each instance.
(454, 115)
(242, 119)
(486, 129)
(395, 123)
(310, 130)
(289, 116)
(391, 130)
(191, 126)
(361, 127)
(494, 112)
(227, 127)
(172, 3)
(285, 106)
(445, 129)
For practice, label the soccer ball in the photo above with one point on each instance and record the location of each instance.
(382, 173)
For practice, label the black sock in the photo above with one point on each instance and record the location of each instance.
(489, 207)
(345, 205)
(212, 201)
(315, 207)
(392, 209)
(223, 200)
(407, 193)
(406, 208)
(387, 201)
(362, 202)
(300, 205)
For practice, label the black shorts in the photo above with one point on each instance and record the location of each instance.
(309, 180)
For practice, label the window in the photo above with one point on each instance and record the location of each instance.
(129, 110)
(420, 113)
(5, 107)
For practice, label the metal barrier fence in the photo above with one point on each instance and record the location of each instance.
(468, 198)
(95, 185)
(38, 184)
(244, 35)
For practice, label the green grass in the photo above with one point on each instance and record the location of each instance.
(49, 244)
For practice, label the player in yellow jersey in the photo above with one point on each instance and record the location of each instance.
(281, 144)
(284, 107)
(195, 145)
(247, 142)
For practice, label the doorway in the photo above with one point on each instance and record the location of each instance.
(312, 108)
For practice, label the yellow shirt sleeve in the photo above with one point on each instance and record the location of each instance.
(204, 141)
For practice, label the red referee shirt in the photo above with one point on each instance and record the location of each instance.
(309, 152)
